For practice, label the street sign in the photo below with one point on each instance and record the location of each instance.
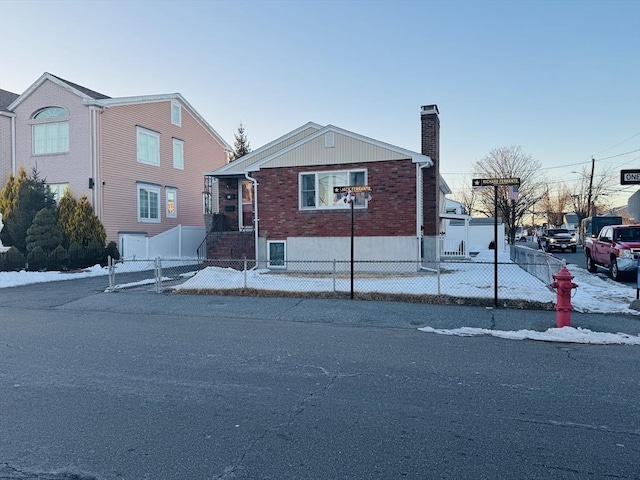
(630, 177)
(353, 189)
(495, 182)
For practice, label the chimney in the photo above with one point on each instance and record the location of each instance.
(431, 179)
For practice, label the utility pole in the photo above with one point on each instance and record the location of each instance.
(590, 208)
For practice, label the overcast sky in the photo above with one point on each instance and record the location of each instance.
(561, 79)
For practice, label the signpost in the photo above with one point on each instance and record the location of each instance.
(349, 193)
(495, 183)
(630, 177)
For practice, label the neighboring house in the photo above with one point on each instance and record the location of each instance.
(6, 99)
(283, 194)
(140, 160)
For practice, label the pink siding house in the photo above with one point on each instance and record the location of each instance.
(140, 160)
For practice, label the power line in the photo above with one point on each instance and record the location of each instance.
(618, 144)
(619, 155)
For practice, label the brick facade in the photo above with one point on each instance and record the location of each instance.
(391, 210)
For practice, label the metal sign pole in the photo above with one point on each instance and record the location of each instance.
(351, 201)
(495, 183)
(495, 246)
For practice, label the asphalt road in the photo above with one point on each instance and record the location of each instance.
(138, 385)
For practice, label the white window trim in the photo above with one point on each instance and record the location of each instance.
(149, 133)
(177, 122)
(329, 207)
(269, 264)
(150, 188)
(178, 165)
(166, 202)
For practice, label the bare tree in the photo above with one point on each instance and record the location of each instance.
(509, 162)
(556, 203)
(589, 197)
(468, 198)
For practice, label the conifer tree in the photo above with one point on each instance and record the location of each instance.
(9, 201)
(241, 145)
(66, 208)
(44, 232)
(27, 196)
(86, 227)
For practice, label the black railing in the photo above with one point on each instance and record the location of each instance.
(213, 236)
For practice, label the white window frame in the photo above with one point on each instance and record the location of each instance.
(152, 139)
(176, 113)
(284, 254)
(178, 154)
(337, 204)
(51, 133)
(167, 192)
(151, 189)
(58, 190)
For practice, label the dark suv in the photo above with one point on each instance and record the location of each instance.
(558, 239)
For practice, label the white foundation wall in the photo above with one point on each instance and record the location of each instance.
(318, 254)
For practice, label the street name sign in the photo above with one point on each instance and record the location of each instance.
(630, 177)
(353, 188)
(495, 182)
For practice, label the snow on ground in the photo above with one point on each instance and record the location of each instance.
(595, 293)
(562, 335)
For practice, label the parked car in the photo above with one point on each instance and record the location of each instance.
(557, 239)
(617, 248)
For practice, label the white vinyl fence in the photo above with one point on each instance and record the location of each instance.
(179, 242)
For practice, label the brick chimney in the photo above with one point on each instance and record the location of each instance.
(431, 180)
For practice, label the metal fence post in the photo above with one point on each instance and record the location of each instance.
(438, 278)
(245, 273)
(158, 275)
(334, 275)
(112, 272)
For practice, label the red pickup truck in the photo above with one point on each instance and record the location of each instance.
(617, 247)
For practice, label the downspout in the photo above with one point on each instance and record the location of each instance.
(419, 209)
(94, 162)
(255, 214)
(13, 146)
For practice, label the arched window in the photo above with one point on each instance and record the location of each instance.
(50, 131)
(50, 113)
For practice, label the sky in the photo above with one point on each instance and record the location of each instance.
(595, 293)
(561, 79)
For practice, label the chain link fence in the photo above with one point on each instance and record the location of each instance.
(540, 264)
(158, 273)
(523, 282)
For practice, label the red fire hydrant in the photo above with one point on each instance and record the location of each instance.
(563, 304)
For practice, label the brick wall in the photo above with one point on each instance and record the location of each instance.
(391, 211)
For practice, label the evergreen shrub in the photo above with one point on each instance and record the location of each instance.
(58, 259)
(77, 256)
(14, 259)
(36, 259)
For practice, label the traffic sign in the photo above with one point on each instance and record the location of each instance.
(495, 182)
(630, 177)
(353, 189)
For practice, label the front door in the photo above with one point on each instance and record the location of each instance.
(246, 196)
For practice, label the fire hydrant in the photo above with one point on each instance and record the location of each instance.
(563, 304)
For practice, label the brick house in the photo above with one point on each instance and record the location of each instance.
(282, 195)
(139, 159)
